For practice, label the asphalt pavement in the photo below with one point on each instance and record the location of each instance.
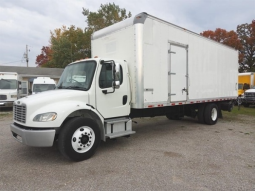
(162, 155)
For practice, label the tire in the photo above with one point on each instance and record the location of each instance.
(211, 114)
(200, 113)
(79, 139)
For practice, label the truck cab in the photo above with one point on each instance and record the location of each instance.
(91, 97)
(249, 97)
(242, 87)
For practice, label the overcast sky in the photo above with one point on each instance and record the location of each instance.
(29, 22)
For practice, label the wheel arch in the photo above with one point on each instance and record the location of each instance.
(87, 114)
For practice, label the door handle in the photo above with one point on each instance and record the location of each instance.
(184, 90)
(124, 99)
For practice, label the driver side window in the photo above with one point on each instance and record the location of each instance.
(106, 78)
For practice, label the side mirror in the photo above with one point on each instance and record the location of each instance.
(19, 85)
(116, 76)
(116, 84)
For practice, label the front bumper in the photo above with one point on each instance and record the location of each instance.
(6, 103)
(34, 138)
(250, 101)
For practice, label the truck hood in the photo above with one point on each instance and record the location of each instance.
(54, 96)
(63, 102)
(250, 91)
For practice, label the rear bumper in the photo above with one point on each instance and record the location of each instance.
(35, 138)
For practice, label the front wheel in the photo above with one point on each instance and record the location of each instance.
(79, 139)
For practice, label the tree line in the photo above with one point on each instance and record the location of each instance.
(68, 44)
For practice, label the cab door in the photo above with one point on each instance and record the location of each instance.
(112, 102)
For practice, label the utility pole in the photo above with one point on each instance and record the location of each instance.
(26, 55)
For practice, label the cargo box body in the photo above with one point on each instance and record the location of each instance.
(169, 64)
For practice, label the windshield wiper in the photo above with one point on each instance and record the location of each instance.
(59, 87)
(74, 87)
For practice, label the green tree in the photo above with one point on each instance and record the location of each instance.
(246, 34)
(107, 15)
(66, 45)
(70, 44)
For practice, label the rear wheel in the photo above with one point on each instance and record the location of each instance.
(79, 139)
(211, 114)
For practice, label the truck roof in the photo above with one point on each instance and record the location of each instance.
(43, 80)
(140, 18)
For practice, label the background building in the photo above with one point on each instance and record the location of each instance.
(30, 73)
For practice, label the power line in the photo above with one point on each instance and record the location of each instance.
(12, 62)
(25, 56)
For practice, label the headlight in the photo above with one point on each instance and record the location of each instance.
(44, 117)
(13, 96)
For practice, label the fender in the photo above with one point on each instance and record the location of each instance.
(64, 111)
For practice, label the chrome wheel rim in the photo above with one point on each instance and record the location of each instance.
(214, 114)
(83, 139)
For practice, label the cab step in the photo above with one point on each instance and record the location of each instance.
(118, 127)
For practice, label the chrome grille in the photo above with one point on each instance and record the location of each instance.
(249, 94)
(19, 113)
(3, 97)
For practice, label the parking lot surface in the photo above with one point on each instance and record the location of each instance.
(162, 155)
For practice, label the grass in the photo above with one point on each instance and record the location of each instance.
(5, 112)
(240, 115)
(243, 111)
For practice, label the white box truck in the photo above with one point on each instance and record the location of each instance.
(11, 88)
(146, 67)
(41, 84)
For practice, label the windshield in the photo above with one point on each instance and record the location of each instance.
(8, 84)
(77, 76)
(43, 87)
(240, 86)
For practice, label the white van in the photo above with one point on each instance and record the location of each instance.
(42, 84)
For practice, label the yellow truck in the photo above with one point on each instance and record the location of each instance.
(245, 81)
